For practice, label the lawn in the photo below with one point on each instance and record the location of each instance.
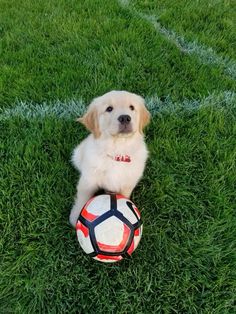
(180, 56)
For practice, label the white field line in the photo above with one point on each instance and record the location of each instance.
(73, 109)
(63, 110)
(224, 99)
(206, 55)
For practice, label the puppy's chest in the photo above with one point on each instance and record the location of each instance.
(118, 159)
(125, 155)
(106, 158)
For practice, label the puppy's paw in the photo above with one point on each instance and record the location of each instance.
(73, 218)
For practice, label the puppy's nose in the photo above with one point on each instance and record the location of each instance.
(124, 119)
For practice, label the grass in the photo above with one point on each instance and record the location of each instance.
(52, 50)
(186, 260)
(208, 22)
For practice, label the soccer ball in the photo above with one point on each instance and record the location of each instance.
(109, 227)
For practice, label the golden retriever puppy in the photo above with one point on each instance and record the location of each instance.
(113, 156)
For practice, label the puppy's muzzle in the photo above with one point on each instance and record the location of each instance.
(125, 125)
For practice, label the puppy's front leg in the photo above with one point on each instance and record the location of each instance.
(84, 192)
(126, 191)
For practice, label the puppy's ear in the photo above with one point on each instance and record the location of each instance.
(145, 117)
(90, 121)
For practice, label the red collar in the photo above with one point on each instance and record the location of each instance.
(121, 158)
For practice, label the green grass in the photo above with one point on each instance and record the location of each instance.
(57, 50)
(186, 261)
(209, 22)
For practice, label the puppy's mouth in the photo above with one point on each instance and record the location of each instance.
(125, 129)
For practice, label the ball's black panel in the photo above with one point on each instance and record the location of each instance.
(113, 202)
(130, 205)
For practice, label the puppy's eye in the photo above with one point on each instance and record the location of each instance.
(131, 107)
(109, 109)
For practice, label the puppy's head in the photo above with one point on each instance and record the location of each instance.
(117, 113)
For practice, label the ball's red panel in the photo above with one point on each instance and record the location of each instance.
(119, 196)
(89, 216)
(137, 232)
(131, 248)
(104, 257)
(82, 228)
(137, 211)
(116, 248)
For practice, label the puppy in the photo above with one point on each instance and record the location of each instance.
(113, 156)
